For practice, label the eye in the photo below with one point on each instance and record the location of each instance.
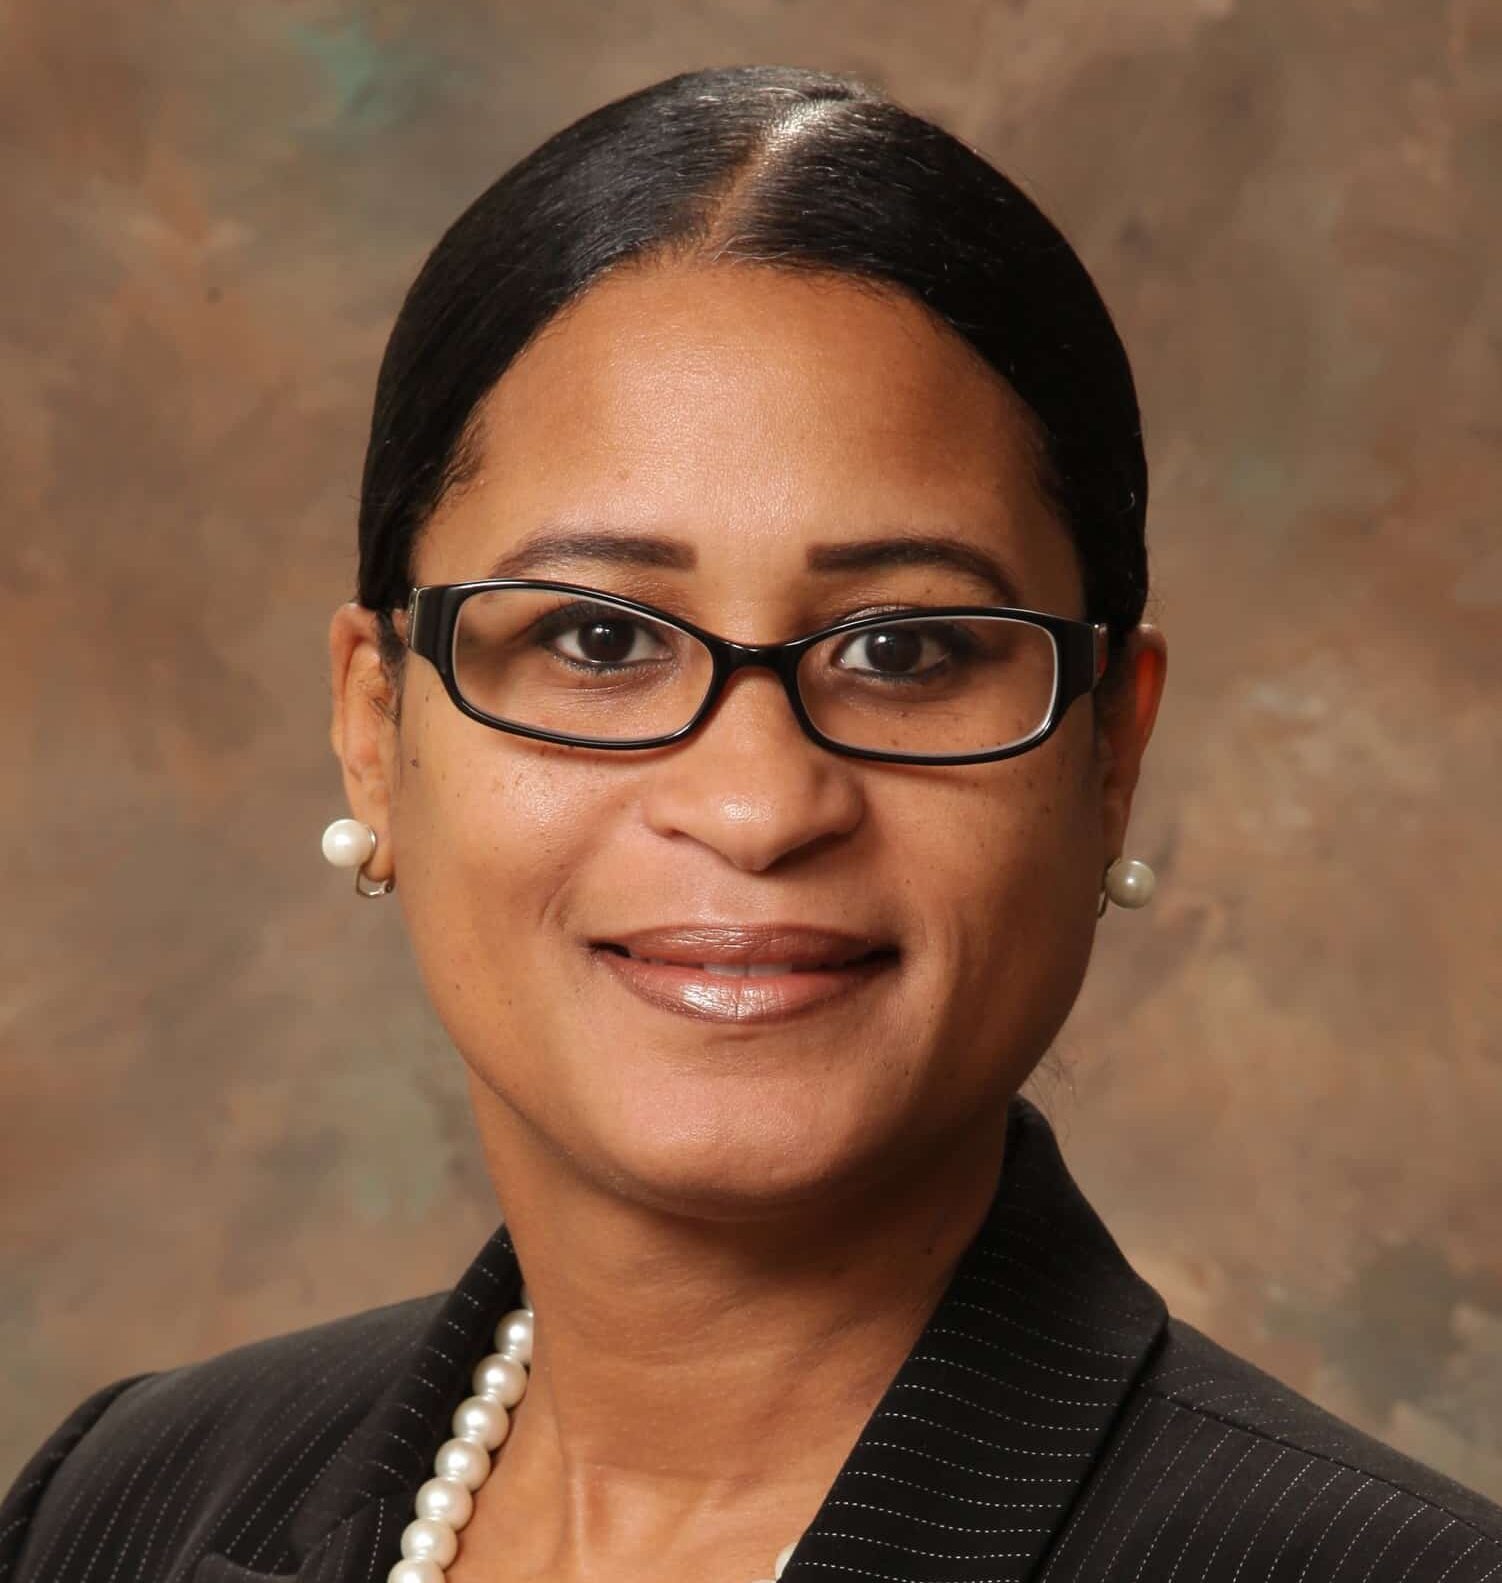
(598, 637)
(903, 651)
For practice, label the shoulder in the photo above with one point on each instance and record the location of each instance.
(1217, 1469)
(135, 1454)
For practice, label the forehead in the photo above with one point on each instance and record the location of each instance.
(749, 410)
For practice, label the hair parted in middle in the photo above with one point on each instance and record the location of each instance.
(782, 168)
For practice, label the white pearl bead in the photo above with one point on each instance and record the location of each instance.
(501, 1377)
(425, 1539)
(347, 843)
(1130, 882)
(464, 1461)
(479, 1419)
(445, 1501)
(513, 1336)
(409, 1571)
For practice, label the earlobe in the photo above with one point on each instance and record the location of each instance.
(362, 719)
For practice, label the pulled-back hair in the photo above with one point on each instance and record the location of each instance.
(778, 167)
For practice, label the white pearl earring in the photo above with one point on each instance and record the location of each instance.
(351, 843)
(348, 843)
(1129, 882)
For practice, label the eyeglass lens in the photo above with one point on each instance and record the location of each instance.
(588, 668)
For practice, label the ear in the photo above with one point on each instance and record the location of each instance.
(1128, 708)
(364, 727)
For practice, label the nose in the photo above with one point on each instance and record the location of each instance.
(749, 784)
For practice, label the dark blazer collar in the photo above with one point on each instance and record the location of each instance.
(965, 1469)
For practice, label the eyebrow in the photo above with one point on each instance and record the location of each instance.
(858, 555)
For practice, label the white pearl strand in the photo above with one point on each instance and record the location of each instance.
(481, 1422)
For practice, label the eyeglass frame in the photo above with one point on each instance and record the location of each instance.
(1081, 654)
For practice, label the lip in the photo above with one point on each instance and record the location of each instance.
(820, 965)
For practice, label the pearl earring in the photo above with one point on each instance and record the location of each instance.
(1129, 882)
(351, 843)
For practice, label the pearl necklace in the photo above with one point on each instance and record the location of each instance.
(481, 1422)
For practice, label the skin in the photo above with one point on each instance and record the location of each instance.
(704, 1212)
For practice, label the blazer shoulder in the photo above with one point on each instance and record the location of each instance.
(1199, 1374)
(1219, 1465)
(1219, 1472)
(25, 1495)
(179, 1445)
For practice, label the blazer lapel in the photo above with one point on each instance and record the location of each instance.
(349, 1525)
(971, 1461)
(965, 1470)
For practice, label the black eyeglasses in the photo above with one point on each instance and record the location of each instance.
(953, 684)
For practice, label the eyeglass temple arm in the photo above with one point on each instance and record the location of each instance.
(411, 610)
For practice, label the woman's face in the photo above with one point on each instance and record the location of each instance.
(747, 418)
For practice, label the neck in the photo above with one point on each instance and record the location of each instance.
(697, 1384)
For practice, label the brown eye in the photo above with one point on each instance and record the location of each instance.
(605, 642)
(899, 651)
(892, 651)
(590, 636)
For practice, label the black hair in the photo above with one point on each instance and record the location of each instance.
(775, 166)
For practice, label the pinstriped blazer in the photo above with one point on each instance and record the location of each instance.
(1052, 1423)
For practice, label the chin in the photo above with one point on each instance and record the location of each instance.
(745, 1165)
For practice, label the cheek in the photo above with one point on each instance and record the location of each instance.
(1008, 857)
(489, 827)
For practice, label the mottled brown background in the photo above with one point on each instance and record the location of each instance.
(226, 1109)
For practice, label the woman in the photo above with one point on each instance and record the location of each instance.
(744, 699)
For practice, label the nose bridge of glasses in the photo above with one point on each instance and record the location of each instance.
(731, 658)
(780, 658)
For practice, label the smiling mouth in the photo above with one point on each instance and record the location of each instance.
(751, 969)
(751, 975)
